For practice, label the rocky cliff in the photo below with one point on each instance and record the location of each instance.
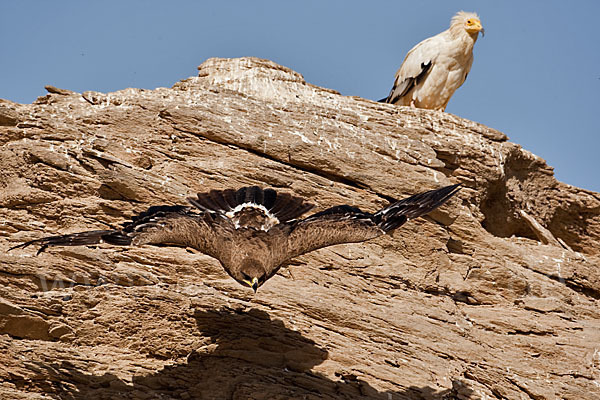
(495, 295)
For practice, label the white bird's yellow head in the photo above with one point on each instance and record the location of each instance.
(469, 21)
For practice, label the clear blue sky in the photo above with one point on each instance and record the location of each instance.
(536, 74)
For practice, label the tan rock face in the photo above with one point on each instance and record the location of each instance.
(467, 303)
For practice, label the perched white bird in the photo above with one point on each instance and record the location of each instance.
(436, 67)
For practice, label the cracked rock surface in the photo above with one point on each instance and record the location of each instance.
(472, 302)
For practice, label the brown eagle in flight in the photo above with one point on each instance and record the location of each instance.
(254, 231)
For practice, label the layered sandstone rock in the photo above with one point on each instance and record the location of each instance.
(495, 295)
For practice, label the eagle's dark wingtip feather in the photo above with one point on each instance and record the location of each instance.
(41, 241)
(41, 249)
(29, 243)
(440, 196)
(78, 239)
(394, 215)
(22, 245)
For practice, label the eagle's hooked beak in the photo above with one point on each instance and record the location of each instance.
(252, 283)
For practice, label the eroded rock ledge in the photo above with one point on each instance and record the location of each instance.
(469, 303)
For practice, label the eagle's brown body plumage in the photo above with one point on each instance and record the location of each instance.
(254, 231)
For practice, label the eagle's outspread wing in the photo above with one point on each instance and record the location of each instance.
(174, 225)
(346, 224)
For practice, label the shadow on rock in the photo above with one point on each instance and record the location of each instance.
(251, 357)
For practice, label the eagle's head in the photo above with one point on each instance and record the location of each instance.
(251, 273)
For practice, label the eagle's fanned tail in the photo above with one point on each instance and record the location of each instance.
(396, 214)
(282, 206)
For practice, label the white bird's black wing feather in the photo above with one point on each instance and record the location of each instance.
(402, 88)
